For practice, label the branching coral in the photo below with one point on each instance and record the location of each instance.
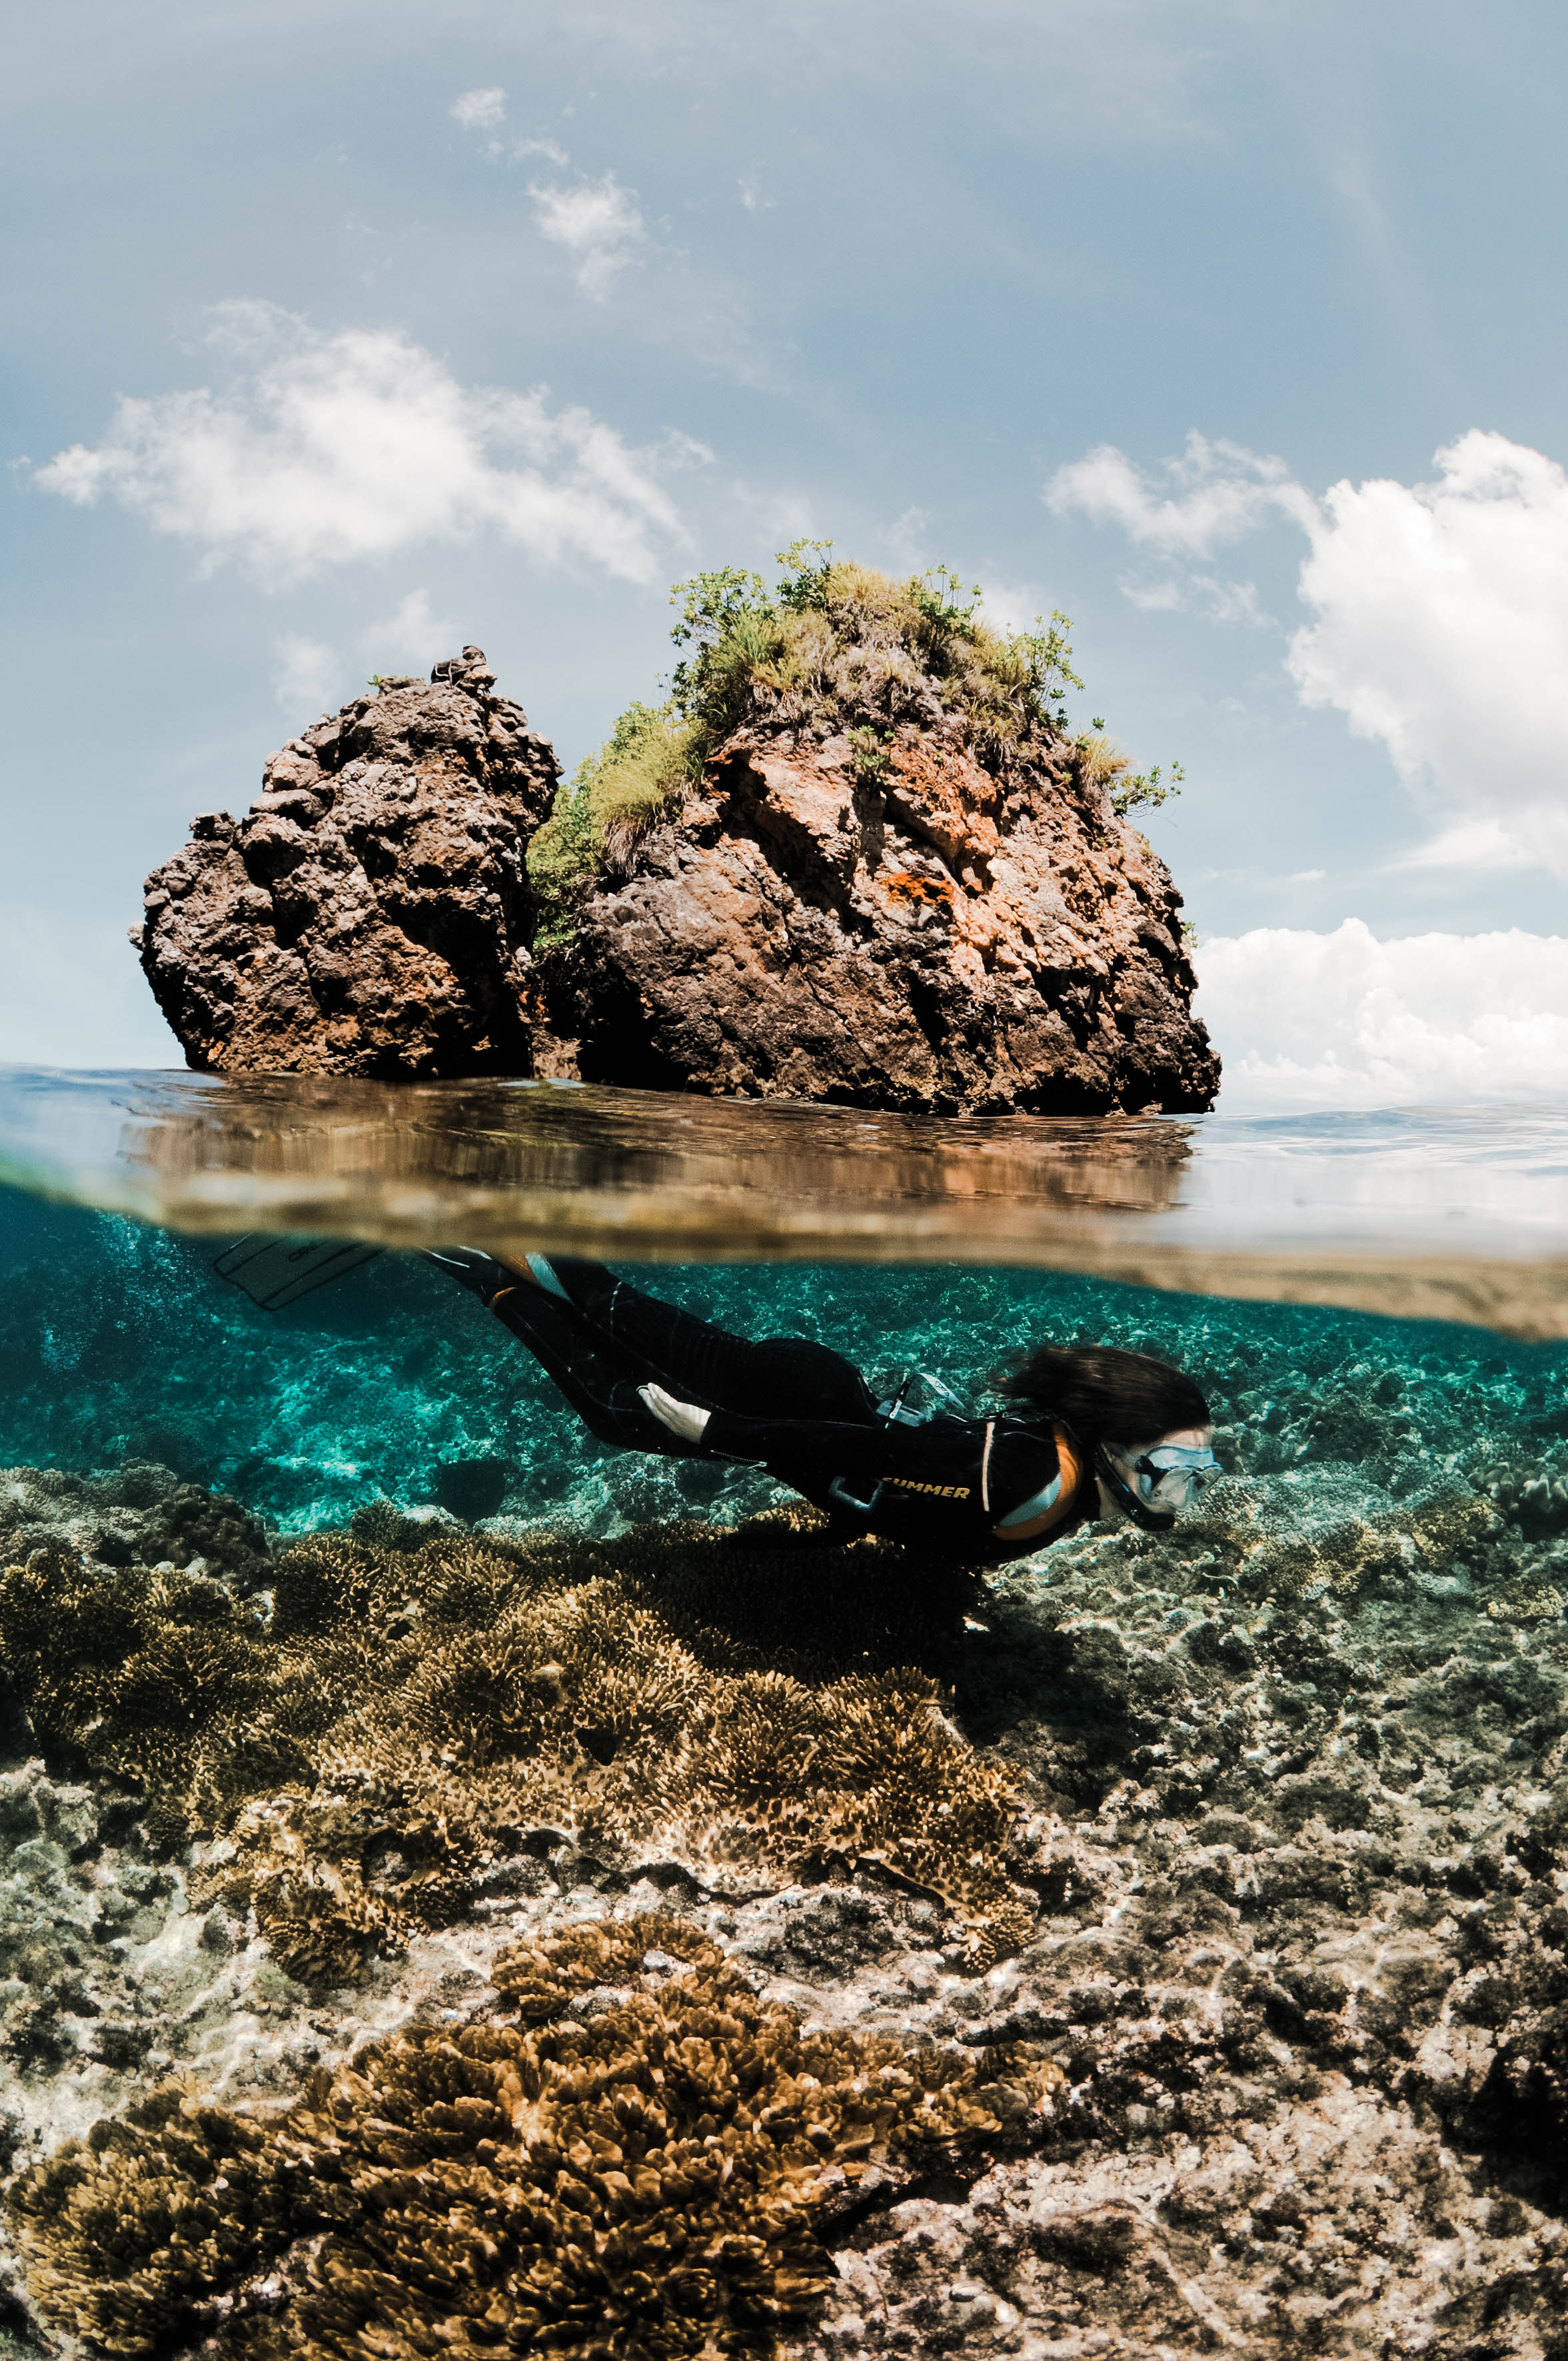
(407, 1717)
(126, 2231)
(639, 2181)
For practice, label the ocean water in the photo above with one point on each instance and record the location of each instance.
(338, 1658)
(121, 1344)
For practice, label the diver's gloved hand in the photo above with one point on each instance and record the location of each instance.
(682, 1418)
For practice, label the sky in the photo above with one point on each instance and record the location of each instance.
(340, 336)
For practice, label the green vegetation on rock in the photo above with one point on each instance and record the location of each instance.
(609, 803)
(834, 648)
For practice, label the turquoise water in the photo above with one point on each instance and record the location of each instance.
(336, 1657)
(119, 1343)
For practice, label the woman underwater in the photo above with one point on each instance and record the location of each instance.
(1096, 1432)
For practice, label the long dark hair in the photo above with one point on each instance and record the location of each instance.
(1103, 1394)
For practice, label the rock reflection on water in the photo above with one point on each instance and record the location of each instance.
(1416, 1214)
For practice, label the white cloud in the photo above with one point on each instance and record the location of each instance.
(480, 110)
(1341, 1020)
(411, 638)
(1013, 606)
(306, 673)
(312, 673)
(597, 223)
(1202, 594)
(908, 537)
(751, 197)
(1217, 492)
(1442, 629)
(1439, 617)
(328, 448)
(486, 111)
(1471, 844)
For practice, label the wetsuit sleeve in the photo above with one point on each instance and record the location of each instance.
(1015, 1486)
(1031, 1486)
(937, 1461)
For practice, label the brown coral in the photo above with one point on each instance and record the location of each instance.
(641, 2182)
(407, 1717)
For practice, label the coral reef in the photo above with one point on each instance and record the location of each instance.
(142, 1514)
(861, 859)
(1284, 1792)
(372, 914)
(637, 2165)
(405, 1719)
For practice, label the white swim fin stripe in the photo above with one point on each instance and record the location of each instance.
(275, 1272)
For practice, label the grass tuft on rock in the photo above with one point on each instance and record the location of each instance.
(833, 650)
(611, 801)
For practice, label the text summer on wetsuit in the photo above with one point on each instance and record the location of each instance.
(973, 1489)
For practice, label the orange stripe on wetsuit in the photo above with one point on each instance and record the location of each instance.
(1071, 1469)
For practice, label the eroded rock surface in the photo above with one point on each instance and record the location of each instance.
(909, 931)
(370, 914)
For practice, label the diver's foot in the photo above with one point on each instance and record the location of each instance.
(541, 1271)
(482, 1274)
(487, 1275)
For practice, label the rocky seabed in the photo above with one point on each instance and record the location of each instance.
(1295, 1824)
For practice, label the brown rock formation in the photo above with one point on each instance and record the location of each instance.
(912, 930)
(371, 913)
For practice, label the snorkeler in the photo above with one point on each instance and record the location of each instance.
(1099, 1431)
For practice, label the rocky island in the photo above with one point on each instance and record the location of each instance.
(857, 857)
(370, 913)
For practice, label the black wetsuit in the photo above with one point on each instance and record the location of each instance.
(943, 1485)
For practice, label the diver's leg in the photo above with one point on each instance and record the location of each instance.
(480, 1273)
(597, 1378)
(485, 1275)
(599, 1383)
(621, 1337)
(769, 1377)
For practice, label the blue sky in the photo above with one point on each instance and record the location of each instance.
(345, 377)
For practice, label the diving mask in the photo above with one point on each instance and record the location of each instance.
(1153, 1486)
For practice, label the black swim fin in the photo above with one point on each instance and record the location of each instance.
(276, 1271)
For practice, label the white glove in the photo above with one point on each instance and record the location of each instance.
(682, 1418)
